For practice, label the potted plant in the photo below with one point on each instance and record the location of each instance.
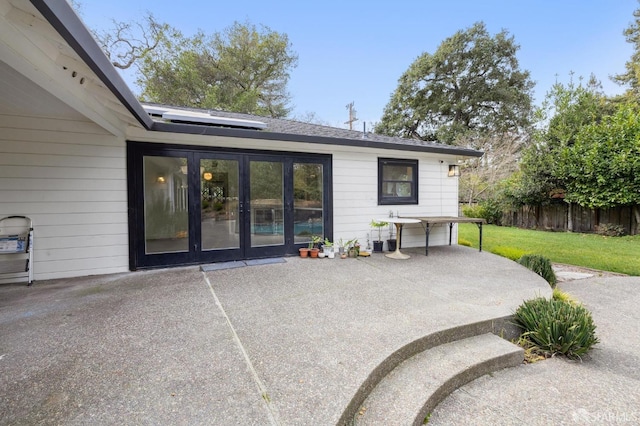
(328, 248)
(304, 251)
(314, 245)
(377, 244)
(353, 247)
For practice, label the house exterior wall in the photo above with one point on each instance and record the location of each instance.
(355, 183)
(69, 177)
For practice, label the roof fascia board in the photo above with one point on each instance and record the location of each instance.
(288, 137)
(65, 21)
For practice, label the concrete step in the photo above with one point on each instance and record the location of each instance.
(416, 386)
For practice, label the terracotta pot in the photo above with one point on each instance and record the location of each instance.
(304, 252)
(314, 252)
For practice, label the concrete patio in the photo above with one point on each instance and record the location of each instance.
(299, 342)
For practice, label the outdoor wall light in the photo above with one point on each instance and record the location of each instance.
(160, 179)
(454, 170)
(207, 176)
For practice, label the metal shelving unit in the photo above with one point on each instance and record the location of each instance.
(16, 248)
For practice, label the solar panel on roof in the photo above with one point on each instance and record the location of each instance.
(183, 116)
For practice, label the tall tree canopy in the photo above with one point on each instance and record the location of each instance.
(472, 85)
(566, 109)
(602, 167)
(631, 77)
(243, 69)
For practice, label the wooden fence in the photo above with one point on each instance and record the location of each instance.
(554, 217)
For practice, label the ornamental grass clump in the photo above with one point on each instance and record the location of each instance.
(541, 266)
(556, 327)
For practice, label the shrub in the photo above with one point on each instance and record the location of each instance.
(541, 266)
(557, 327)
(508, 252)
(473, 211)
(489, 210)
(610, 230)
(492, 211)
(463, 242)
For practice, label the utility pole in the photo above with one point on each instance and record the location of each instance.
(352, 116)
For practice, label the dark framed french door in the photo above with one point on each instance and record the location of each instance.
(192, 205)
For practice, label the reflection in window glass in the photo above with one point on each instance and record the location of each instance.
(219, 227)
(166, 220)
(307, 201)
(397, 181)
(267, 203)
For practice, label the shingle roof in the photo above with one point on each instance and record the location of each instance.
(309, 132)
(64, 20)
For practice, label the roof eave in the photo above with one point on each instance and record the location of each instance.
(65, 21)
(289, 137)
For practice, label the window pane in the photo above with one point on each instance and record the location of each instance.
(267, 203)
(397, 181)
(403, 173)
(219, 204)
(166, 220)
(307, 201)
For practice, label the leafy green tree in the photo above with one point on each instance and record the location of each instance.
(566, 109)
(472, 85)
(602, 168)
(243, 69)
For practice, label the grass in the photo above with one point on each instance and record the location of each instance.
(614, 254)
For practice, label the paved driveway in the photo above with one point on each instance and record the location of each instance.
(287, 343)
(602, 389)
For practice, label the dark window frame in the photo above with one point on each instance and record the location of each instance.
(386, 200)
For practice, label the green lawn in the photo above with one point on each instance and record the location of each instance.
(619, 254)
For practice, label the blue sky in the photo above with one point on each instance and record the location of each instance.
(356, 50)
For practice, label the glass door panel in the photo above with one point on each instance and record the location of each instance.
(308, 217)
(166, 215)
(219, 201)
(266, 192)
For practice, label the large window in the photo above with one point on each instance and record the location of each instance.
(397, 181)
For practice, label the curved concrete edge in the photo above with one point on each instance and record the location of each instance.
(470, 374)
(502, 326)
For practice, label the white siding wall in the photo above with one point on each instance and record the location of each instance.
(69, 176)
(355, 185)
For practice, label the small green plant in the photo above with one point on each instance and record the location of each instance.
(541, 266)
(463, 242)
(379, 225)
(556, 327)
(564, 297)
(610, 230)
(508, 252)
(316, 240)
